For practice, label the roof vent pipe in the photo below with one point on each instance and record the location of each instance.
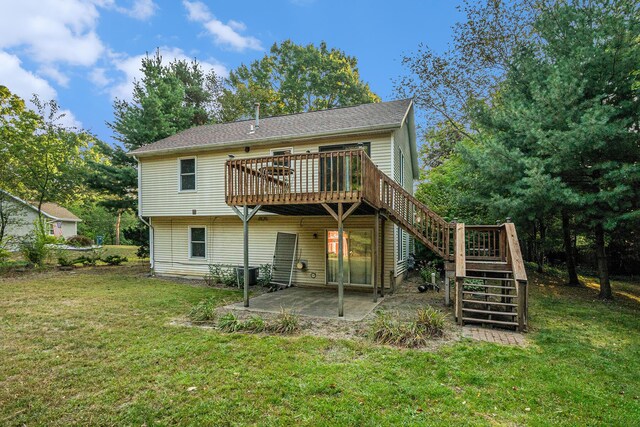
(257, 105)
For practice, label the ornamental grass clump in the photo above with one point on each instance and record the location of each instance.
(429, 323)
(285, 322)
(204, 311)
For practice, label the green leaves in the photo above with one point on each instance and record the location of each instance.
(293, 79)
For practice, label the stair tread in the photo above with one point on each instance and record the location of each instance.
(511, 288)
(477, 301)
(490, 271)
(500, 313)
(487, 262)
(488, 294)
(498, 322)
(503, 279)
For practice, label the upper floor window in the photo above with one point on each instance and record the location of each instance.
(401, 171)
(282, 152)
(188, 174)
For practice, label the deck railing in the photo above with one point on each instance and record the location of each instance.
(350, 176)
(321, 177)
(485, 242)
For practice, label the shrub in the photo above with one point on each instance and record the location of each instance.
(429, 323)
(285, 323)
(229, 322)
(79, 241)
(219, 273)
(204, 311)
(34, 251)
(114, 259)
(4, 254)
(66, 262)
(264, 278)
(143, 251)
(91, 258)
(426, 271)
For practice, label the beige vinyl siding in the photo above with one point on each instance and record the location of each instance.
(160, 195)
(402, 173)
(225, 243)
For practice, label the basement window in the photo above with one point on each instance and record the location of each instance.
(188, 174)
(197, 242)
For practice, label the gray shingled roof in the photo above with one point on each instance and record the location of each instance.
(346, 120)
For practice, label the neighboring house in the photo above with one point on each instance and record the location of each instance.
(328, 188)
(21, 216)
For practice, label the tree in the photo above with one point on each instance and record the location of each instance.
(57, 158)
(294, 79)
(444, 84)
(41, 159)
(561, 133)
(167, 99)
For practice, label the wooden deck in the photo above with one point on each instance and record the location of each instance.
(344, 183)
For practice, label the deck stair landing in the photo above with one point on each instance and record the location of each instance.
(490, 279)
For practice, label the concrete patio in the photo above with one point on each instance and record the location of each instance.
(322, 303)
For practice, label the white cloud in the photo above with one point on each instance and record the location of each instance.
(197, 11)
(52, 30)
(140, 9)
(55, 74)
(22, 82)
(130, 67)
(98, 76)
(223, 34)
(25, 83)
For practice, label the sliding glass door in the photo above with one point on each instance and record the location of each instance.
(358, 260)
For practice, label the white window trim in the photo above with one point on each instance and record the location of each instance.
(191, 257)
(195, 174)
(281, 149)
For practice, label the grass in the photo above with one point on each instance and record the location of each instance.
(98, 346)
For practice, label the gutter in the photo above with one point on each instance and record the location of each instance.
(144, 221)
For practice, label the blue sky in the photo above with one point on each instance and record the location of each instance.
(86, 53)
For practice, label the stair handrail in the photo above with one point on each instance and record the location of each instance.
(514, 253)
(375, 192)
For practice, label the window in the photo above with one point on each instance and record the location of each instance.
(281, 152)
(401, 172)
(52, 232)
(197, 242)
(188, 174)
(400, 244)
(340, 173)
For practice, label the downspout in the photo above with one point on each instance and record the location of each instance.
(144, 221)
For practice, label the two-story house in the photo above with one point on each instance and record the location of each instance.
(326, 197)
(182, 192)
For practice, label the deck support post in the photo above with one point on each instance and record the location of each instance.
(340, 262)
(376, 253)
(246, 216)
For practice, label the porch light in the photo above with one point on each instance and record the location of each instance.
(231, 156)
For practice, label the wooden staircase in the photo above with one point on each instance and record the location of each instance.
(489, 270)
(484, 260)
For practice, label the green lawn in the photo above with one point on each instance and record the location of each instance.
(97, 347)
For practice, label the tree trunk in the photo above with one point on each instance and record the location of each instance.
(568, 250)
(117, 238)
(603, 269)
(540, 257)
